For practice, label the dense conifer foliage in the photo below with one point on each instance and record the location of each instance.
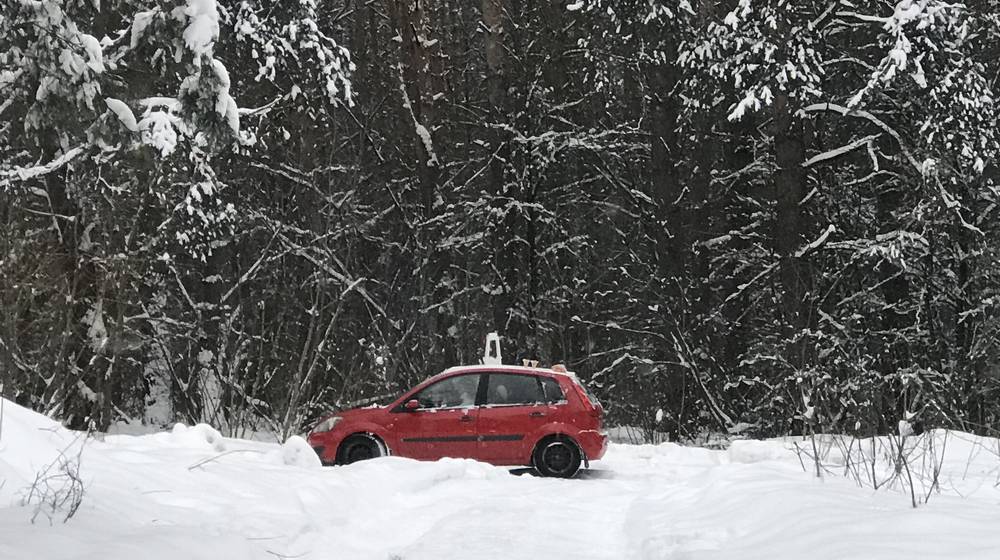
(754, 216)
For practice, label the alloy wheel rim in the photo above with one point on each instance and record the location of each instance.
(359, 452)
(557, 457)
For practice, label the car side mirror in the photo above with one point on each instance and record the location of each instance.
(412, 404)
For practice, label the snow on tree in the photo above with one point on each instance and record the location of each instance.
(717, 210)
(129, 140)
(123, 112)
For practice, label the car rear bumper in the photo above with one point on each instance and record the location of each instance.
(593, 443)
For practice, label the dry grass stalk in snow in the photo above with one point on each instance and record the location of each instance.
(58, 489)
(909, 463)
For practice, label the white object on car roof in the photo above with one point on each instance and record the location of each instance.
(491, 354)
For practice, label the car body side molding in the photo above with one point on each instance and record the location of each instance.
(438, 439)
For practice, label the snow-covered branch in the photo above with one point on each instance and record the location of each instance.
(861, 114)
(421, 131)
(817, 243)
(7, 176)
(837, 152)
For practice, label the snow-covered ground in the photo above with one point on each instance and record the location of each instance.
(190, 494)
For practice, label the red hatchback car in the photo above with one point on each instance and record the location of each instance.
(504, 415)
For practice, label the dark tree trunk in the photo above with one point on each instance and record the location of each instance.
(789, 224)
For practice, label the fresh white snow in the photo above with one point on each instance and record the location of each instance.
(192, 494)
(95, 55)
(203, 26)
(123, 112)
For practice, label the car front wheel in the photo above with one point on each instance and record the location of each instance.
(359, 447)
(557, 457)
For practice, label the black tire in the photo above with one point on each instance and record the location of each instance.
(558, 457)
(359, 447)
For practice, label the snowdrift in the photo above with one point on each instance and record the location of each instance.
(191, 493)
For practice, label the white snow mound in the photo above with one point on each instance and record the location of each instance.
(198, 435)
(295, 452)
(29, 442)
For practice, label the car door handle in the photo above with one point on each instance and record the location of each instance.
(536, 414)
(466, 418)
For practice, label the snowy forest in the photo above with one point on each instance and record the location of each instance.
(760, 217)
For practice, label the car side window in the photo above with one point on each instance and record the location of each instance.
(454, 392)
(553, 392)
(512, 389)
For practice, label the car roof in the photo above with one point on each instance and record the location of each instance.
(482, 368)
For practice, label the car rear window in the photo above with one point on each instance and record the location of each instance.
(507, 389)
(553, 392)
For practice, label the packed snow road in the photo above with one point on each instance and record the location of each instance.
(190, 494)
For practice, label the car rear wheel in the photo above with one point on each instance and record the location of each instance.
(557, 457)
(359, 447)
